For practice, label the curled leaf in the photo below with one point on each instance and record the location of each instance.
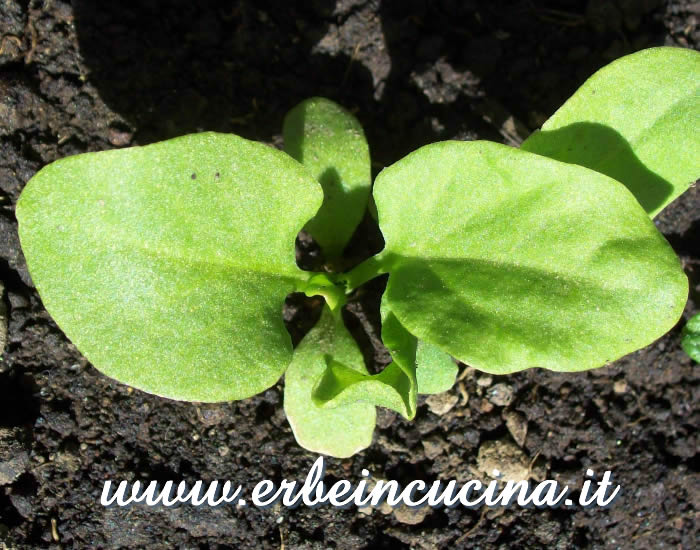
(341, 431)
(435, 371)
(393, 388)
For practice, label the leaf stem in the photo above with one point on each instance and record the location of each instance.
(366, 271)
(321, 284)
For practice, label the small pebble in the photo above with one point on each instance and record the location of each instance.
(501, 395)
(433, 447)
(441, 403)
(411, 516)
(517, 426)
(119, 138)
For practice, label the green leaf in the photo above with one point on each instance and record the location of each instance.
(508, 260)
(635, 120)
(330, 143)
(162, 265)
(394, 388)
(436, 372)
(321, 284)
(691, 338)
(341, 431)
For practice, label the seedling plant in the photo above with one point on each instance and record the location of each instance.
(168, 265)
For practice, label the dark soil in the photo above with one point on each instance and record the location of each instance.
(89, 76)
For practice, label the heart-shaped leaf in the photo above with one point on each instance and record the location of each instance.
(329, 141)
(161, 263)
(634, 120)
(509, 260)
(341, 431)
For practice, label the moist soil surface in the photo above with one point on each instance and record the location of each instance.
(89, 76)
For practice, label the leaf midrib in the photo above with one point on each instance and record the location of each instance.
(223, 264)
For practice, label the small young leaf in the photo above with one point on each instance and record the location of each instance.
(330, 143)
(508, 260)
(161, 263)
(320, 284)
(341, 431)
(402, 346)
(691, 338)
(341, 385)
(393, 388)
(436, 372)
(635, 120)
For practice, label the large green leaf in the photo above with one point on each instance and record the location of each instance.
(330, 143)
(168, 265)
(341, 431)
(635, 120)
(509, 260)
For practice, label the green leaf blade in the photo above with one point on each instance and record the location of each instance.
(160, 264)
(512, 260)
(395, 387)
(635, 120)
(340, 431)
(436, 372)
(329, 141)
(691, 338)
(428, 368)
(341, 386)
